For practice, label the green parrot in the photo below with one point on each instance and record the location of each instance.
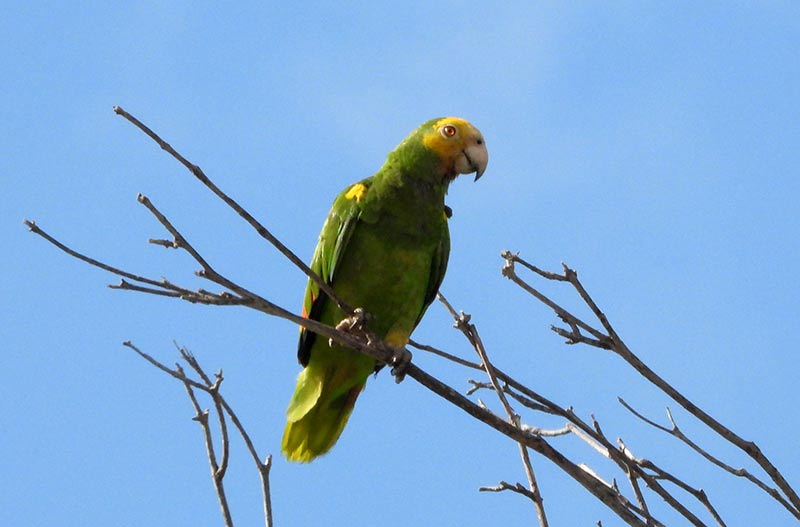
(384, 248)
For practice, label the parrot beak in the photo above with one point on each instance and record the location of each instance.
(473, 156)
(477, 157)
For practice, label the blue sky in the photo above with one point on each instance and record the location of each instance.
(654, 149)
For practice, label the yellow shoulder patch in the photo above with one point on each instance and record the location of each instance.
(357, 191)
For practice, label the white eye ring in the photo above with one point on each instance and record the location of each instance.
(448, 131)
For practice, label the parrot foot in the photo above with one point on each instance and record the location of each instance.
(355, 323)
(401, 358)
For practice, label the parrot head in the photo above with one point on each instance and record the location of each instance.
(456, 146)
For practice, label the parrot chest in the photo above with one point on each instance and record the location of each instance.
(386, 272)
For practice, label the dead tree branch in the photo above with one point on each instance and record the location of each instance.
(610, 340)
(590, 434)
(462, 323)
(224, 412)
(376, 349)
(259, 228)
(676, 432)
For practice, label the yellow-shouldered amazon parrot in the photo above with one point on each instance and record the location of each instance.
(384, 248)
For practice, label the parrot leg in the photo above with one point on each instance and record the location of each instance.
(401, 358)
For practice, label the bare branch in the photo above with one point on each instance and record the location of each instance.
(740, 472)
(605, 494)
(380, 352)
(660, 473)
(593, 436)
(518, 488)
(509, 272)
(242, 297)
(187, 356)
(259, 228)
(615, 344)
(544, 432)
(34, 228)
(223, 409)
(444, 354)
(201, 416)
(377, 350)
(127, 286)
(471, 332)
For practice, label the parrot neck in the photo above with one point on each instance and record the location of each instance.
(417, 163)
(407, 188)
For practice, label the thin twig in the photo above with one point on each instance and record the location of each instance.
(213, 387)
(525, 401)
(507, 486)
(633, 469)
(444, 354)
(678, 433)
(471, 332)
(34, 228)
(509, 272)
(660, 473)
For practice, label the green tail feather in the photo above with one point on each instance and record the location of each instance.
(316, 418)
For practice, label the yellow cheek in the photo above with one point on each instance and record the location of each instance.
(434, 141)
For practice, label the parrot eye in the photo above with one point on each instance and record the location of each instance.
(448, 131)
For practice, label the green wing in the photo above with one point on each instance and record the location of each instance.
(438, 265)
(332, 244)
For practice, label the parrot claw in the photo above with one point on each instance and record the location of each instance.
(401, 358)
(355, 323)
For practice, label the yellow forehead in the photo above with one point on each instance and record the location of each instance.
(433, 139)
(456, 121)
